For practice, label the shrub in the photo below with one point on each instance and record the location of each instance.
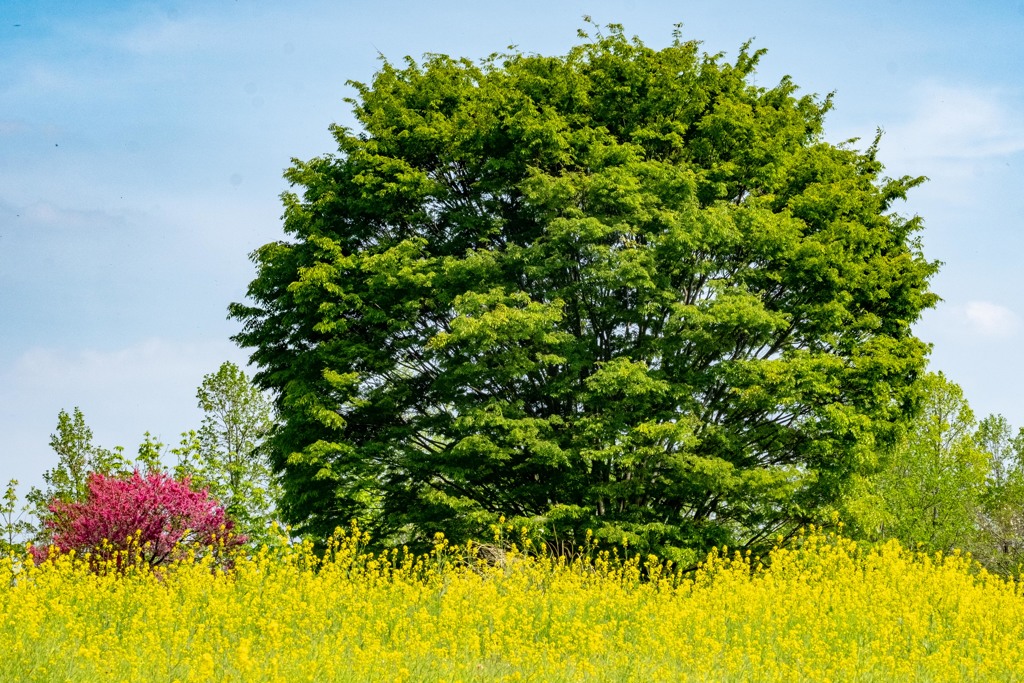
(145, 518)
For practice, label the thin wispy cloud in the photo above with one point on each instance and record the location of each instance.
(958, 124)
(48, 215)
(144, 368)
(123, 392)
(991, 320)
(12, 127)
(165, 34)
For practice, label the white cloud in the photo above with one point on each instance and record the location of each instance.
(961, 137)
(165, 34)
(987, 319)
(146, 365)
(955, 124)
(123, 392)
(48, 215)
(9, 127)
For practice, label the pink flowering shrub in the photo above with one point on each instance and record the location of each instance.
(149, 518)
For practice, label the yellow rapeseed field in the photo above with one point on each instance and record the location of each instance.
(825, 611)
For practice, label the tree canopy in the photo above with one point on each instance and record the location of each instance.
(623, 290)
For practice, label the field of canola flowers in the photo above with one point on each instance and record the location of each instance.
(825, 611)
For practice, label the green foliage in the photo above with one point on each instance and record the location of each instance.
(952, 483)
(932, 489)
(1000, 544)
(149, 457)
(15, 527)
(77, 458)
(225, 455)
(623, 290)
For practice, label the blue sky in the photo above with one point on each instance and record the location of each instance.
(142, 146)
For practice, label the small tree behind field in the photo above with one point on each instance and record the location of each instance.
(1000, 543)
(150, 518)
(78, 457)
(15, 527)
(226, 455)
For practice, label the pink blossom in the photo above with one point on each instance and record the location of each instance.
(149, 517)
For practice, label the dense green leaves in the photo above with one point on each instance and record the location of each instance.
(622, 290)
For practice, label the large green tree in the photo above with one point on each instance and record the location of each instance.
(624, 289)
